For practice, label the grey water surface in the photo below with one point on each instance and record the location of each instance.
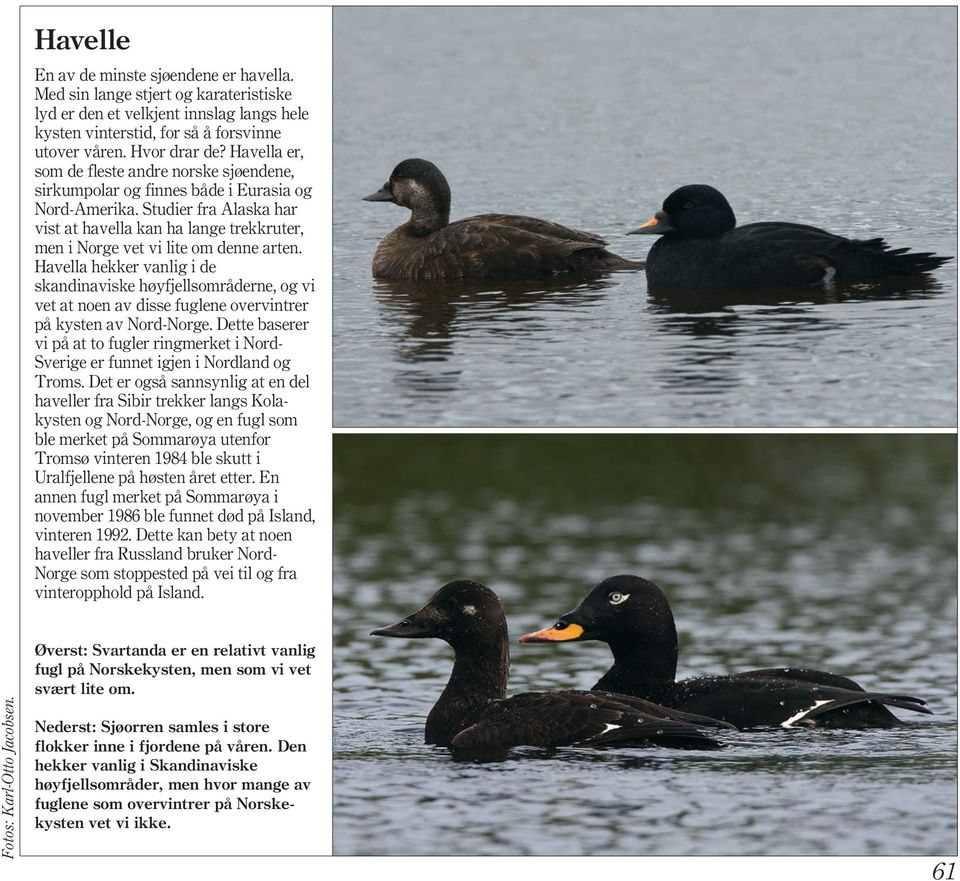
(839, 118)
(837, 553)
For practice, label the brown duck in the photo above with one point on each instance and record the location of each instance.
(503, 246)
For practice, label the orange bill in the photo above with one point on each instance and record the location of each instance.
(554, 634)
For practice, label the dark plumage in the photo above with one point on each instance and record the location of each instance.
(473, 711)
(634, 618)
(702, 247)
(503, 246)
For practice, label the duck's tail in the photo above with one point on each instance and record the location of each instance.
(898, 261)
(830, 706)
(906, 262)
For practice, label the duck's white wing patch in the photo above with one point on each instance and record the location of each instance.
(607, 726)
(789, 723)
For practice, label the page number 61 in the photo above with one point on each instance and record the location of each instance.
(943, 871)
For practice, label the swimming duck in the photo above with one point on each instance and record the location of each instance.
(474, 712)
(702, 247)
(504, 246)
(632, 615)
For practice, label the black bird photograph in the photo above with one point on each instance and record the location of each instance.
(633, 616)
(474, 711)
(813, 678)
(701, 246)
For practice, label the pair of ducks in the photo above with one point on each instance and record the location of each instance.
(700, 246)
(637, 701)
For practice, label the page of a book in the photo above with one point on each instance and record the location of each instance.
(257, 436)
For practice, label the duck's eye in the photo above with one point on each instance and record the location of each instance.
(616, 598)
(560, 625)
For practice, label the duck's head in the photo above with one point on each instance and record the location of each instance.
(460, 612)
(418, 185)
(696, 211)
(621, 610)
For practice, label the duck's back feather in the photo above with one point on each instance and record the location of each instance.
(492, 246)
(540, 227)
(772, 698)
(802, 674)
(779, 254)
(567, 718)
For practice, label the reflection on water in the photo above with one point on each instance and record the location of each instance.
(428, 318)
(670, 300)
(709, 365)
(488, 112)
(837, 552)
(422, 312)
